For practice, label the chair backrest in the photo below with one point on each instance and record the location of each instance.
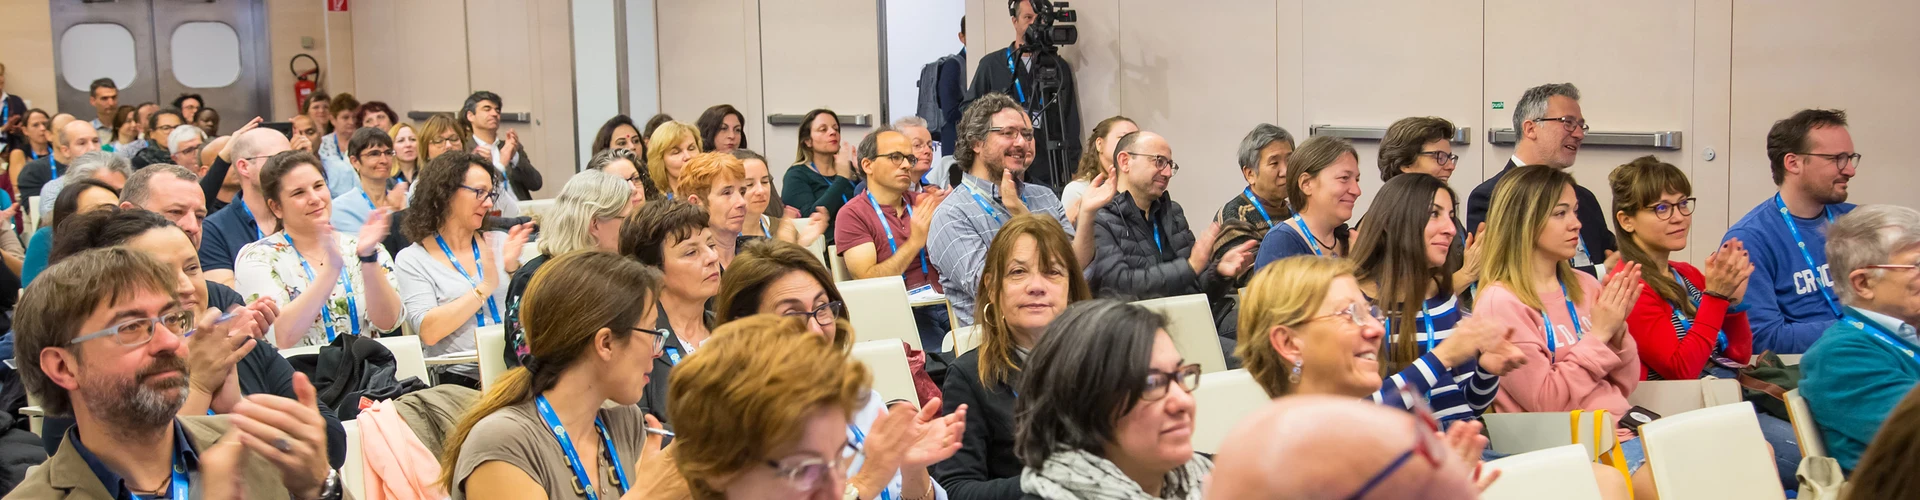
(962, 340)
(1812, 444)
(1673, 397)
(354, 471)
(1563, 472)
(878, 309)
(888, 362)
(1713, 452)
(492, 344)
(1190, 323)
(836, 264)
(1223, 399)
(1516, 433)
(33, 216)
(290, 352)
(409, 359)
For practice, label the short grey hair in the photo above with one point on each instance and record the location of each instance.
(911, 121)
(1869, 235)
(1533, 103)
(90, 164)
(183, 133)
(140, 186)
(589, 195)
(1263, 135)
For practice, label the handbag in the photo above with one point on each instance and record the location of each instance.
(1765, 383)
(1602, 432)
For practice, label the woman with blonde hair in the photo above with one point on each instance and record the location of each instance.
(1095, 160)
(587, 216)
(541, 430)
(441, 134)
(406, 151)
(669, 149)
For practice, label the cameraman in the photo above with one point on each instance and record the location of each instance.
(1056, 117)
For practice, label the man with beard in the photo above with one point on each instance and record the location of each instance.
(996, 146)
(1551, 127)
(1791, 299)
(102, 337)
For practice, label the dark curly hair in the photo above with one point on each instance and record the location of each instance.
(434, 189)
(712, 119)
(277, 169)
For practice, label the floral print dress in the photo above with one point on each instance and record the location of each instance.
(272, 268)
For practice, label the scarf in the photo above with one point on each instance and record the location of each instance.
(1078, 475)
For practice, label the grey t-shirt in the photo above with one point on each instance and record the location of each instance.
(426, 284)
(517, 436)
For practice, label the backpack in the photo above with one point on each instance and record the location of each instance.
(929, 83)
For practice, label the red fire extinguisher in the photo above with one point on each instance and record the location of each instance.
(305, 83)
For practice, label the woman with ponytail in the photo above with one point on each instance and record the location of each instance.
(1095, 160)
(541, 431)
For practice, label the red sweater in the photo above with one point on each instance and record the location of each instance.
(1662, 351)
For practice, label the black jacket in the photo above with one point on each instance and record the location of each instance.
(1132, 262)
(999, 71)
(985, 468)
(524, 177)
(654, 398)
(1594, 229)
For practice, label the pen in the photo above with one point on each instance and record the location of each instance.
(662, 432)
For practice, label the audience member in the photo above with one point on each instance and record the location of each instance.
(774, 220)
(28, 143)
(440, 135)
(304, 127)
(1813, 161)
(622, 164)
(358, 300)
(618, 132)
(915, 128)
(72, 139)
(85, 195)
(444, 302)
(124, 383)
(126, 133)
(235, 225)
(1418, 145)
(674, 144)
(104, 95)
(1885, 471)
(190, 104)
(315, 107)
(371, 152)
(1058, 112)
(1122, 266)
(207, 119)
(11, 106)
(1332, 445)
(1109, 409)
(99, 164)
(183, 147)
(716, 183)
(1554, 144)
(587, 216)
(674, 237)
(952, 91)
(821, 175)
(342, 111)
(1323, 183)
(1862, 365)
(406, 152)
(1096, 161)
(720, 129)
(171, 191)
(1250, 216)
(589, 352)
(1029, 276)
(518, 179)
(996, 146)
(376, 115)
(159, 126)
(653, 123)
(903, 219)
(806, 394)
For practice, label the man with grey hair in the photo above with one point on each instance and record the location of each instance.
(1868, 360)
(171, 191)
(184, 146)
(99, 165)
(924, 149)
(1550, 126)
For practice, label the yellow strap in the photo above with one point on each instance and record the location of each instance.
(1613, 456)
(1573, 425)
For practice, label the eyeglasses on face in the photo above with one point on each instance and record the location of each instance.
(659, 337)
(896, 157)
(805, 471)
(1441, 157)
(1010, 132)
(484, 194)
(1841, 160)
(1187, 376)
(376, 153)
(1567, 122)
(1360, 313)
(1159, 162)
(824, 314)
(139, 331)
(1426, 444)
(447, 141)
(1664, 210)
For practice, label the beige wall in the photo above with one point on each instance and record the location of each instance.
(27, 38)
(290, 20)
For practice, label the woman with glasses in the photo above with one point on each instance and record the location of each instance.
(440, 135)
(587, 216)
(619, 133)
(624, 165)
(765, 413)
(449, 278)
(1029, 277)
(543, 430)
(371, 152)
(673, 236)
(1106, 409)
(720, 129)
(406, 151)
(774, 220)
(673, 144)
(1323, 181)
(302, 265)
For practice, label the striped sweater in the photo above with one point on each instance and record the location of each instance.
(1459, 394)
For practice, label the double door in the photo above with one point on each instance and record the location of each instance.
(157, 50)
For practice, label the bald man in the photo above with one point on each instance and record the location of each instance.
(1325, 447)
(70, 140)
(246, 220)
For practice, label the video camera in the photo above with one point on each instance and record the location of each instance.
(1052, 26)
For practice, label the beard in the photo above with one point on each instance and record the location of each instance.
(1827, 194)
(133, 405)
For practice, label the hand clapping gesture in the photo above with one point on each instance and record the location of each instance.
(1616, 298)
(1728, 270)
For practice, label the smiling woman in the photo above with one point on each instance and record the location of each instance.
(1323, 180)
(301, 266)
(449, 279)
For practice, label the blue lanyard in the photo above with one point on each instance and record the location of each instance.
(1804, 254)
(1015, 75)
(1424, 318)
(257, 235)
(1156, 238)
(53, 164)
(35, 156)
(861, 437)
(1686, 325)
(1572, 315)
(764, 231)
(492, 308)
(178, 488)
(1258, 206)
(581, 476)
(370, 205)
(884, 224)
(1880, 332)
(1312, 242)
(983, 203)
(353, 307)
(844, 199)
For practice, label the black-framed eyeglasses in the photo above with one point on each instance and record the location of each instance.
(659, 337)
(164, 129)
(1426, 444)
(825, 314)
(897, 157)
(1441, 157)
(1842, 160)
(139, 331)
(1568, 122)
(1664, 210)
(375, 153)
(481, 193)
(1159, 162)
(803, 472)
(1187, 376)
(1010, 132)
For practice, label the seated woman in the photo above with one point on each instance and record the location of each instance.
(542, 431)
(449, 279)
(406, 153)
(587, 216)
(1529, 284)
(672, 236)
(1863, 364)
(764, 202)
(714, 182)
(796, 442)
(673, 144)
(301, 265)
(1033, 275)
(1400, 259)
(1107, 410)
(623, 164)
(1323, 181)
(80, 196)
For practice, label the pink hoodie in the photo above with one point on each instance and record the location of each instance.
(1578, 375)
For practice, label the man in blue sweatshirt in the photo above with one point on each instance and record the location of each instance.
(1791, 294)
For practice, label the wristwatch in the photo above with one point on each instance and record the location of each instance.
(853, 493)
(371, 258)
(331, 490)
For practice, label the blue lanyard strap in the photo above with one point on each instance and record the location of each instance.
(978, 200)
(1312, 242)
(1015, 75)
(257, 235)
(492, 308)
(1257, 205)
(581, 476)
(370, 205)
(1818, 284)
(53, 164)
(764, 230)
(861, 437)
(1572, 315)
(888, 226)
(1686, 325)
(1880, 332)
(1156, 237)
(353, 307)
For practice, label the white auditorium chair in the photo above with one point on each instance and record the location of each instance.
(1673, 397)
(290, 352)
(962, 340)
(1805, 431)
(878, 309)
(836, 264)
(492, 343)
(888, 362)
(1190, 323)
(1223, 399)
(353, 472)
(1562, 472)
(33, 218)
(409, 358)
(535, 208)
(1713, 452)
(1516, 433)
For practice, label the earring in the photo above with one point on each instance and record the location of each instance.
(1294, 378)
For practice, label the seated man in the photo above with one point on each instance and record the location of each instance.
(1863, 364)
(1144, 249)
(890, 208)
(1792, 291)
(183, 145)
(246, 220)
(100, 337)
(1338, 448)
(71, 139)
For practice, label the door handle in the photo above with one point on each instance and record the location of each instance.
(1461, 136)
(1669, 139)
(861, 120)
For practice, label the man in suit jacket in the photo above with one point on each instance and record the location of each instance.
(1550, 126)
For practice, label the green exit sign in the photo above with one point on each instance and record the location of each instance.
(1499, 105)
